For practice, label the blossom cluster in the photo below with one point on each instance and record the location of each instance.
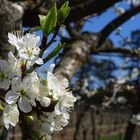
(29, 90)
(133, 2)
(135, 119)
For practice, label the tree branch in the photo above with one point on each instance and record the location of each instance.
(132, 52)
(76, 55)
(90, 7)
(116, 23)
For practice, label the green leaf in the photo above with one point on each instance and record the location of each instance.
(63, 12)
(50, 20)
(54, 52)
(42, 20)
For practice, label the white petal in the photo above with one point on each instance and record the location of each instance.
(11, 58)
(24, 104)
(47, 127)
(4, 84)
(45, 101)
(52, 116)
(22, 54)
(10, 115)
(12, 39)
(39, 61)
(11, 97)
(52, 81)
(57, 109)
(33, 103)
(36, 51)
(16, 84)
(60, 122)
(51, 68)
(64, 83)
(4, 66)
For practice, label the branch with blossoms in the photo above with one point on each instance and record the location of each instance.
(32, 93)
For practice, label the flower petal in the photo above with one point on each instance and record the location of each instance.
(24, 104)
(12, 39)
(39, 61)
(45, 101)
(4, 84)
(4, 66)
(47, 127)
(11, 97)
(10, 115)
(16, 84)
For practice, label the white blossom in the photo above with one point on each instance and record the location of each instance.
(121, 100)
(27, 47)
(58, 121)
(24, 92)
(133, 2)
(135, 119)
(56, 86)
(10, 115)
(16, 39)
(47, 127)
(5, 74)
(25, 88)
(119, 10)
(55, 89)
(55, 123)
(8, 70)
(65, 102)
(45, 101)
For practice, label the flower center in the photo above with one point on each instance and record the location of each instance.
(29, 52)
(22, 92)
(2, 76)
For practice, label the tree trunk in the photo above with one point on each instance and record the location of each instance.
(77, 54)
(129, 131)
(9, 17)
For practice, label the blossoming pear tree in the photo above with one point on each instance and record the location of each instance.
(32, 92)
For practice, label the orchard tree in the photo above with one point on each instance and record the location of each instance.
(38, 98)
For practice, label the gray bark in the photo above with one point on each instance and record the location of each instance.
(76, 55)
(9, 17)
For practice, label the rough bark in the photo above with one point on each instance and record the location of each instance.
(77, 55)
(9, 16)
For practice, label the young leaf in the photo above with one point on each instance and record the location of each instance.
(50, 20)
(54, 52)
(63, 12)
(42, 20)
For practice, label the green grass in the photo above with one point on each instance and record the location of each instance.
(112, 137)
